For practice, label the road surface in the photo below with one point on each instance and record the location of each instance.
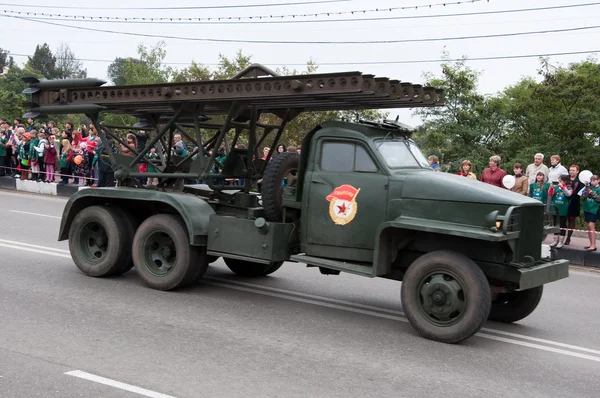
(296, 333)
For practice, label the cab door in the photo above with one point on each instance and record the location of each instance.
(347, 201)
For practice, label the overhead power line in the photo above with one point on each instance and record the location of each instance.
(416, 61)
(353, 42)
(296, 3)
(272, 19)
(234, 18)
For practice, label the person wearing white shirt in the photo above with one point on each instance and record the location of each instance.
(556, 170)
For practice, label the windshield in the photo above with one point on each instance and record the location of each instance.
(402, 154)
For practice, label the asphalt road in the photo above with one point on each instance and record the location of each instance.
(296, 333)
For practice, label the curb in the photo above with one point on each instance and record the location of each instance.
(43, 188)
(577, 257)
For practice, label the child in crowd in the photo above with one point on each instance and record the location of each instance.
(539, 189)
(81, 168)
(3, 158)
(33, 158)
(560, 194)
(591, 205)
(152, 155)
(23, 157)
(65, 157)
(50, 161)
(40, 148)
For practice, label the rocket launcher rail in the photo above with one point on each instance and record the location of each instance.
(182, 108)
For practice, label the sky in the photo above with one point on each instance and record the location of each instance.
(396, 40)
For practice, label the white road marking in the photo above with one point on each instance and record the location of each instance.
(34, 214)
(397, 313)
(22, 246)
(352, 307)
(117, 384)
(33, 250)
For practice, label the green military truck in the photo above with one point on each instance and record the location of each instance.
(360, 198)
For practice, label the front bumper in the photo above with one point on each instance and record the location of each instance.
(544, 271)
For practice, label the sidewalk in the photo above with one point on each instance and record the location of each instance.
(575, 252)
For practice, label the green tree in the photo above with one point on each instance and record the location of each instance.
(229, 67)
(150, 68)
(558, 115)
(11, 88)
(43, 61)
(194, 72)
(469, 126)
(116, 70)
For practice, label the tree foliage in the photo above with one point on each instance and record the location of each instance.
(560, 114)
(67, 65)
(6, 61)
(43, 61)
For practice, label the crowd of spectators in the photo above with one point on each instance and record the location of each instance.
(554, 185)
(44, 153)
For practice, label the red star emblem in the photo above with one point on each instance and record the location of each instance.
(342, 209)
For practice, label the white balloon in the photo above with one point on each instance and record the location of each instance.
(585, 176)
(509, 181)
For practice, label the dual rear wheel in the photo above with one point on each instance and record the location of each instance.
(107, 241)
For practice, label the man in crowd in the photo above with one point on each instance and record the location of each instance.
(557, 169)
(493, 175)
(532, 170)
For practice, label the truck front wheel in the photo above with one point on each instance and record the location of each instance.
(514, 306)
(445, 296)
(163, 256)
(100, 241)
(250, 269)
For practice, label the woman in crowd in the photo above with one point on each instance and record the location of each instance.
(591, 205)
(65, 160)
(574, 201)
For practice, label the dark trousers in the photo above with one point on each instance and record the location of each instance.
(563, 226)
(3, 164)
(106, 179)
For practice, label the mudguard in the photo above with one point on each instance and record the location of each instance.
(194, 210)
(381, 264)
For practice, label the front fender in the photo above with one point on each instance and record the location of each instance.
(403, 228)
(194, 211)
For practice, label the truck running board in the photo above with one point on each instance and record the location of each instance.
(352, 268)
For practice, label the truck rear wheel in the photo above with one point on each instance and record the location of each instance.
(446, 297)
(100, 241)
(250, 269)
(514, 306)
(131, 225)
(283, 169)
(163, 256)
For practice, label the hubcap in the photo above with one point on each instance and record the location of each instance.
(442, 298)
(160, 253)
(93, 242)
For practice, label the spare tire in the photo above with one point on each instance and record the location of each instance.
(282, 170)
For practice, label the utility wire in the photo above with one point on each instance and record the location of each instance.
(416, 61)
(238, 18)
(432, 39)
(181, 8)
(258, 20)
